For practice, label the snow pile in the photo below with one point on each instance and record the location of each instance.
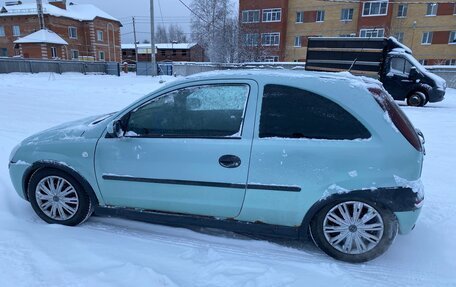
(114, 252)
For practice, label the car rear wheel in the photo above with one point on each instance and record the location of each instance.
(417, 99)
(58, 198)
(354, 231)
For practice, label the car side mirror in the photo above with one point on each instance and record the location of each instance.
(115, 129)
(413, 74)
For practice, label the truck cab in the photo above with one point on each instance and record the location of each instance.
(406, 79)
(383, 58)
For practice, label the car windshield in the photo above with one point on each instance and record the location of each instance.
(415, 63)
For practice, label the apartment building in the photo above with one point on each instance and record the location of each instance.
(72, 32)
(429, 29)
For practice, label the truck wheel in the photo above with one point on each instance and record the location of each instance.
(417, 99)
(58, 198)
(353, 231)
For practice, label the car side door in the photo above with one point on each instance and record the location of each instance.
(186, 150)
(397, 81)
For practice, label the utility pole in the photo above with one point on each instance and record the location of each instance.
(136, 42)
(152, 39)
(39, 9)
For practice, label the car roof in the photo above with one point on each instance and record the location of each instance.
(272, 75)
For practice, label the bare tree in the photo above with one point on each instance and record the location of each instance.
(250, 47)
(161, 35)
(176, 33)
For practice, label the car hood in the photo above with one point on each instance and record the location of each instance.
(84, 128)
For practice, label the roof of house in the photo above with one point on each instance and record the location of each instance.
(162, 46)
(42, 36)
(81, 12)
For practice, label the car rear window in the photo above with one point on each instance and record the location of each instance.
(289, 112)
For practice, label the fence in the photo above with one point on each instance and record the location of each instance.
(189, 68)
(163, 68)
(11, 65)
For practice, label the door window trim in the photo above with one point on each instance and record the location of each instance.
(126, 116)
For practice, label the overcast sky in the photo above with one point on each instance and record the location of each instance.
(172, 11)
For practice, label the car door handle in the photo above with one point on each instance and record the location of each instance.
(229, 161)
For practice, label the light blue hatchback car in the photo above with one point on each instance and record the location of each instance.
(288, 154)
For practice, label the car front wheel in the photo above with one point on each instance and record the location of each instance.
(417, 99)
(58, 198)
(354, 231)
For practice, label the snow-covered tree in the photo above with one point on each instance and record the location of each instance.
(214, 28)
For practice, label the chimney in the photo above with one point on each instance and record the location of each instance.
(58, 3)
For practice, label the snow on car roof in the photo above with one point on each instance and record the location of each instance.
(272, 73)
(81, 12)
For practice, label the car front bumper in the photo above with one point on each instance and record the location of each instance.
(436, 95)
(17, 171)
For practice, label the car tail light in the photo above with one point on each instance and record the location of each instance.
(398, 117)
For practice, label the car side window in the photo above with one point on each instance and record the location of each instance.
(397, 65)
(201, 111)
(289, 112)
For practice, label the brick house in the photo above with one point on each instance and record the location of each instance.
(427, 27)
(87, 33)
(177, 52)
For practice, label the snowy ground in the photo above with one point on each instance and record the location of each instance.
(115, 252)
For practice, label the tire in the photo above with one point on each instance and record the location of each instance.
(325, 230)
(417, 99)
(58, 198)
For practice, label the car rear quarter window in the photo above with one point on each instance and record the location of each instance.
(289, 112)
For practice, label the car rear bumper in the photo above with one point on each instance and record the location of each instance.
(407, 220)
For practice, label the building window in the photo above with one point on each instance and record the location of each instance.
(300, 17)
(431, 9)
(270, 39)
(73, 32)
(74, 54)
(346, 14)
(100, 36)
(320, 16)
(184, 52)
(53, 52)
(372, 33)
(427, 38)
(269, 59)
(174, 52)
(3, 52)
(298, 41)
(2, 31)
(452, 39)
(272, 15)
(347, 35)
(375, 8)
(402, 10)
(251, 16)
(251, 40)
(101, 56)
(16, 30)
(163, 52)
(451, 62)
(288, 112)
(399, 36)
